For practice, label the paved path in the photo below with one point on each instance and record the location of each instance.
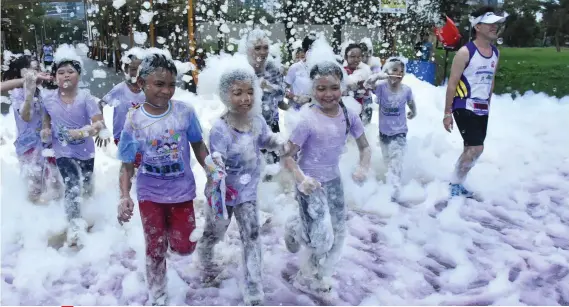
(99, 86)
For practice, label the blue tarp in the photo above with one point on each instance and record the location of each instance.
(422, 70)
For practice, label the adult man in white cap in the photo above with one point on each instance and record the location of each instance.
(469, 91)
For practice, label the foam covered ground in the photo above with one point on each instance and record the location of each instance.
(510, 249)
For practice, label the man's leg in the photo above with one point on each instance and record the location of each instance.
(472, 128)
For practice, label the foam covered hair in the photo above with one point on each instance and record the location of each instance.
(219, 74)
(322, 56)
(249, 40)
(66, 54)
(154, 61)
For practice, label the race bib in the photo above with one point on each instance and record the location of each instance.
(165, 171)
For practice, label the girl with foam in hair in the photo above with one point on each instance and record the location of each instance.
(125, 95)
(320, 138)
(40, 172)
(236, 140)
(358, 72)
(73, 118)
(255, 45)
(161, 130)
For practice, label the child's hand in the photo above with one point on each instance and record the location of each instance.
(103, 137)
(411, 114)
(360, 175)
(126, 207)
(309, 185)
(45, 135)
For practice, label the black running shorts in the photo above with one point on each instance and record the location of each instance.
(472, 127)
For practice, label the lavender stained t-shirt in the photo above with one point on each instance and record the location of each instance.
(392, 118)
(121, 98)
(321, 140)
(165, 174)
(241, 152)
(28, 132)
(75, 115)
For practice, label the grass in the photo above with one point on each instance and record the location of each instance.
(524, 69)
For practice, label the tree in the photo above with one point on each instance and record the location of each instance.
(556, 20)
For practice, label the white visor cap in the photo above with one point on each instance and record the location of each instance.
(488, 18)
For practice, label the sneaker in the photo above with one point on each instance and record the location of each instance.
(253, 296)
(457, 189)
(313, 284)
(466, 193)
(291, 242)
(160, 299)
(76, 231)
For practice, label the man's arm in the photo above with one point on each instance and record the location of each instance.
(494, 80)
(457, 68)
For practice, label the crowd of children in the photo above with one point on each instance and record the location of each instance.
(156, 134)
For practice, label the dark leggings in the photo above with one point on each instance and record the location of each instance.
(271, 157)
(74, 171)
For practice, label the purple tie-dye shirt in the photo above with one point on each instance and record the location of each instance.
(271, 98)
(28, 132)
(165, 174)
(241, 152)
(75, 115)
(322, 139)
(121, 98)
(392, 117)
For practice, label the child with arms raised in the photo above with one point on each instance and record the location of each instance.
(40, 173)
(161, 130)
(236, 139)
(320, 138)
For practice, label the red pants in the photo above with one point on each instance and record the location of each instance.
(137, 159)
(165, 224)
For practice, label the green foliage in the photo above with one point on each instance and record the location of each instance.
(525, 69)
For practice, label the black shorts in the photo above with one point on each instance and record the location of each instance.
(472, 127)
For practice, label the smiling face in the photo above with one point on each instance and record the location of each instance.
(67, 77)
(241, 97)
(158, 87)
(327, 91)
(354, 58)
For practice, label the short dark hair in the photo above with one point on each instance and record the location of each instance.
(153, 62)
(307, 42)
(398, 61)
(350, 47)
(363, 47)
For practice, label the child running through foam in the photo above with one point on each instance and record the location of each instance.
(125, 95)
(238, 137)
(73, 118)
(161, 129)
(320, 138)
(392, 96)
(40, 172)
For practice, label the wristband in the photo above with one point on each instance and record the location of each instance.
(447, 115)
